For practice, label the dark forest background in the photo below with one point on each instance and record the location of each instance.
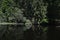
(40, 18)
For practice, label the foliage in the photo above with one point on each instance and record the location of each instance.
(30, 12)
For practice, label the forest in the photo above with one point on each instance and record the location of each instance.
(29, 19)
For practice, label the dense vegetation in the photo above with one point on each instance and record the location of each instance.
(38, 18)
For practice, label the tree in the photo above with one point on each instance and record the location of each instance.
(52, 15)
